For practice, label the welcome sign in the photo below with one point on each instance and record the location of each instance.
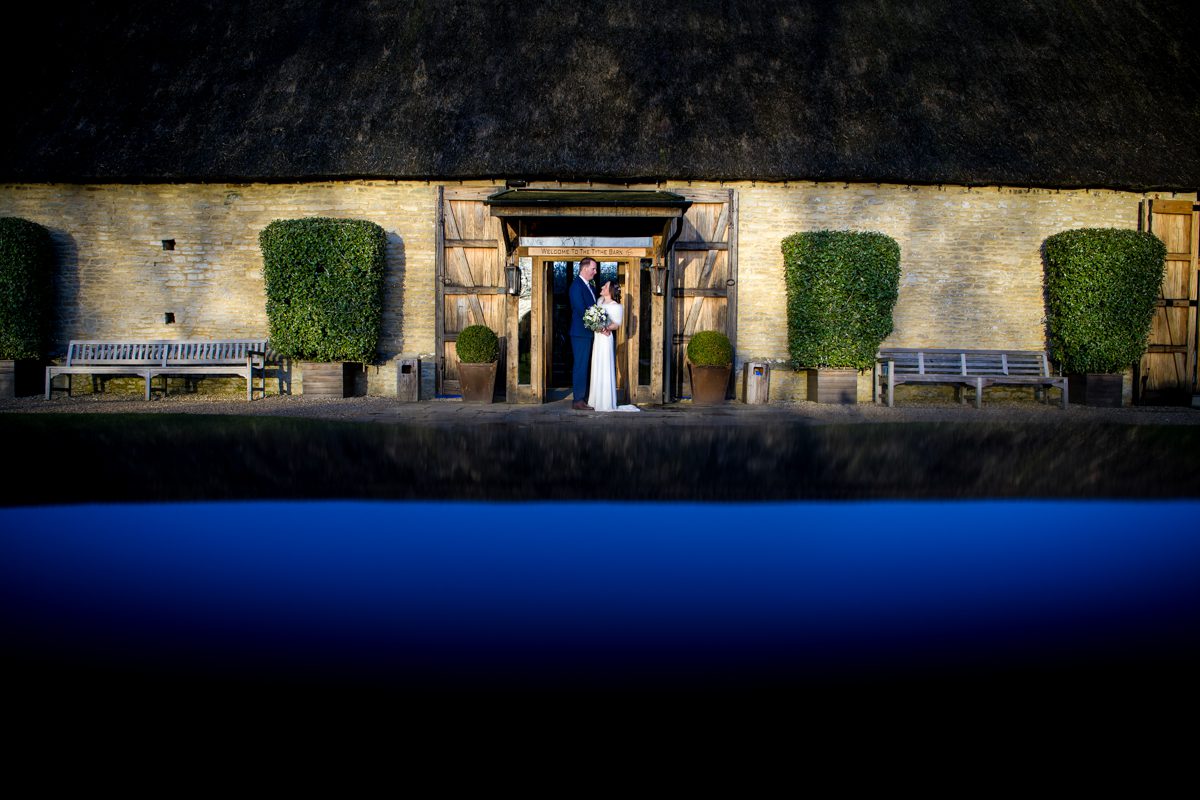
(594, 252)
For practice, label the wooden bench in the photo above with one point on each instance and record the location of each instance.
(242, 357)
(975, 368)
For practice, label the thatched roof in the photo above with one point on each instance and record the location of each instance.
(1101, 93)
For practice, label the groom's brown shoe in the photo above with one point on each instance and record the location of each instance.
(579, 405)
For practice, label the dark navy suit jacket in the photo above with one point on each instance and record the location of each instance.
(581, 301)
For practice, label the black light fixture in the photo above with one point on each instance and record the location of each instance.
(659, 273)
(512, 276)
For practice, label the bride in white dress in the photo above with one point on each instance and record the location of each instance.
(602, 386)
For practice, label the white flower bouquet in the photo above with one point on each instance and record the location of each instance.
(596, 318)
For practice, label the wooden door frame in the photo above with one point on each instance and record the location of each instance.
(541, 322)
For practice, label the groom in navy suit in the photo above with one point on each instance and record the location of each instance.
(583, 297)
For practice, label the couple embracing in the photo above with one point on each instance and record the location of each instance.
(593, 345)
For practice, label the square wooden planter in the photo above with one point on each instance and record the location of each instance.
(838, 386)
(1096, 389)
(21, 378)
(335, 379)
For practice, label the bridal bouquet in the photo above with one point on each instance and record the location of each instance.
(596, 318)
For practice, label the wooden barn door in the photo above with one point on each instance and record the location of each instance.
(1167, 373)
(703, 278)
(469, 280)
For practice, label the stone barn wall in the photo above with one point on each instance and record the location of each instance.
(116, 280)
(970, 258)
(971, 264)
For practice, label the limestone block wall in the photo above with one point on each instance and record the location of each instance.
(115, 279)
(971, 269)
(971, 266)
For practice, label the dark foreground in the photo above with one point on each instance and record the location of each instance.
(812, 574)
(80, 458)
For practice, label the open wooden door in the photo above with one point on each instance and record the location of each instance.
(1167, 372)
(703, 278)
(469, 280)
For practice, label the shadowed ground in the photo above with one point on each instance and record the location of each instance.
(818, 612)
(706, 456)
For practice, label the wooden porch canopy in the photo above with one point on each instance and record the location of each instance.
(587, 203)
(622, 212)
(577, 211)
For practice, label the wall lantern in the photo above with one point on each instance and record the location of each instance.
(659, 273)
(512, 277)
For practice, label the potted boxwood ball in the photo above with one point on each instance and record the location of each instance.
(710, 362)
(478, 349)
(1101, 288)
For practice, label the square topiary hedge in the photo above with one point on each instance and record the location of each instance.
(1101, 287)
(841, 289)
(324, 283)
(26, 288)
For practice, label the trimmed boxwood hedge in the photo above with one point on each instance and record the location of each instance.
(1101, 286)
(26, 288)
(710, 349)
(324, 283)
(477, 344)
(841, 289)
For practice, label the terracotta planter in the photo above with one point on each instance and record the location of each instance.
(709, 384)
(1101, 389)
(334, 379)
(838, 386)
(478, 382)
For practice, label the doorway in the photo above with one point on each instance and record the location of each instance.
(675, 256)
(544, 340)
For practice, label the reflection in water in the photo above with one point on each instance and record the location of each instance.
(450, 596)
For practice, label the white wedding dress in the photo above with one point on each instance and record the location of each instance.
(602, 385)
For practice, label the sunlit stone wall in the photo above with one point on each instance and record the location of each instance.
(116, 280)
(971, 266)
(970, 258)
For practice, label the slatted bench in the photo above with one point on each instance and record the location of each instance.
(240, 357)
(975, 368)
